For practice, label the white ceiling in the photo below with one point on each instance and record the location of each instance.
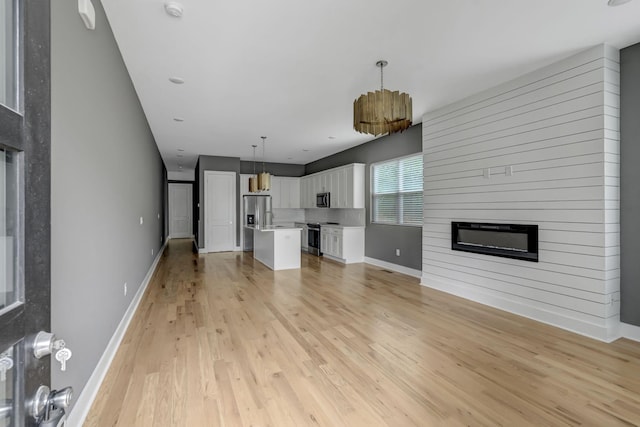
(290, 69)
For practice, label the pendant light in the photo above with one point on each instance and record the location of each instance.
(382, 112)
(264, 179)
(253, 179)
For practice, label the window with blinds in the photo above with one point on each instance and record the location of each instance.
(396, 194)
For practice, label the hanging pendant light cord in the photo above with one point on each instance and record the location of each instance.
(263, 138)
(254, 158)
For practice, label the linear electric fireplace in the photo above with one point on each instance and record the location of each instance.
(506, 240)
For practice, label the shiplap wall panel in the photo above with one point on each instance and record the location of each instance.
(557, 131)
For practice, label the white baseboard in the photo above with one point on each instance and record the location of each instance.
(189, 236)
(631, 332)
(394, 267)
(205, 251)
(82, 406)
(608, 333)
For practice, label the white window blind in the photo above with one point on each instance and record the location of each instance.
(397, 191)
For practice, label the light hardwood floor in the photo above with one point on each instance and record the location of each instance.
(220, 340)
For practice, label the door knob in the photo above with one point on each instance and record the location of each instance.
(49, 407)
(43, 344)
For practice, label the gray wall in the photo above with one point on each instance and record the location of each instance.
(277, 169)
(215, 163)
(106, 174)
(381, 241)
(629, 188)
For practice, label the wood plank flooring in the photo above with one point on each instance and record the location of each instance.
(220, 340)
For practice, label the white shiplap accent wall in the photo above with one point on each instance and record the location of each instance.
(557, 129)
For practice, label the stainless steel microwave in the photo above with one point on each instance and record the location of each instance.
(323, 200)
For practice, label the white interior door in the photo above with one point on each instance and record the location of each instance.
(180, 211)
(219, 211)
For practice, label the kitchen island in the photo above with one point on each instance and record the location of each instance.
(277, 246)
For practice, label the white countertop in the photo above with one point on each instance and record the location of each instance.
(272, 227)
(340, 226)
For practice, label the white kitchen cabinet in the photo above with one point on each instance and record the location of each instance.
(345, 183)
(276, 199)
(293, 188)
(343, 244)
(309, 196)
(285, 192)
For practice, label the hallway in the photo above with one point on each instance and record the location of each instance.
(219, 339)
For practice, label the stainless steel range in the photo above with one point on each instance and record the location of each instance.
(314, 238)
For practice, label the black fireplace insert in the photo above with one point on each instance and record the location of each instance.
(517, 241)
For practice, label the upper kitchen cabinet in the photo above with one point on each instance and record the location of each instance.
(285, 192)
(345, 185)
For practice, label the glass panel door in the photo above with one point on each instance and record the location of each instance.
(9, 54)
(10, 285)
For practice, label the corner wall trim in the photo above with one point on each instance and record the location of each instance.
(394, 267)
(81, 409)
(631, 332)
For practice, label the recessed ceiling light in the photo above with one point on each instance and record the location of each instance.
(178, 119)
(176, 80)
(173, 8)
(180, 167)
(617, 2)
(180, 149)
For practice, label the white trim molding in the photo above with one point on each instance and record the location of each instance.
(190, 236)
(631, 332)
(607, 333)
(81, 409)
(394, 267)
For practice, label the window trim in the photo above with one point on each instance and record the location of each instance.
(372, 194)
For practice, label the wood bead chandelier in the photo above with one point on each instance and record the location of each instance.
(382, 112)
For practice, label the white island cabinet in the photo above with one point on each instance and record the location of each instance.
(277, 247)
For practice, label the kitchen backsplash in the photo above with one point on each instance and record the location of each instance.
(288, 216)
(341, 216)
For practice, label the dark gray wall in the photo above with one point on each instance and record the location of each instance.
(106, 173)
(381, 241)
(277, 169)
(629, 188)
(216, 163)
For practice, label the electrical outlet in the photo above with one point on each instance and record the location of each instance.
(125, 289)
(141, 220)
(158, 216)
(151, 252)
(397, 252)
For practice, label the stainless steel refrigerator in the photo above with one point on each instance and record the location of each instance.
(257, 211)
